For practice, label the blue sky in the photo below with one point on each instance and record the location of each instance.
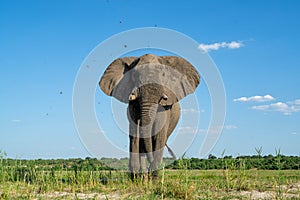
(254, 44)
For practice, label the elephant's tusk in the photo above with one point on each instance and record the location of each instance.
(165, 97)
(132, 97)
(138, 128)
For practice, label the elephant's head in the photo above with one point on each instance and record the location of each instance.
(171, 78)
(154, 82)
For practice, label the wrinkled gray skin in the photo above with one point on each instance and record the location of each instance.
(152, 86)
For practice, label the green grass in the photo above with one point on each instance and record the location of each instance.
(41, 180)
(172, 184)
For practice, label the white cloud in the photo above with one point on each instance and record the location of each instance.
(216, 129)
(188, 129)
(98, 131)
(224, 127)
(73, 148)
(297, 102)
(285, 108)
(255, 99)
(192, 130)
(230, 127)
(202, 131)
(218, 45)
(191, 110)
(16, 120)
(234, 45)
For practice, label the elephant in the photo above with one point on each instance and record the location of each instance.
(152, 86)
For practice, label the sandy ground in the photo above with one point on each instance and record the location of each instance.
(255, 195)
(291, 192)
(285, 192)
(66, 195)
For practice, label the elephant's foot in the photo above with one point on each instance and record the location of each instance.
(145, 177)
(153, 171)
(154, 175)
(139, 176)
(133, 176)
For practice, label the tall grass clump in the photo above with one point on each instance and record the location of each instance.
(279, 178)
(2, 159)
(234, 173)
(178, 186)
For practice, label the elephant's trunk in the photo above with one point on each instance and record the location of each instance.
(148, 113)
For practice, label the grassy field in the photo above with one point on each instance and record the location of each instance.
(90, 179)
(172, 184)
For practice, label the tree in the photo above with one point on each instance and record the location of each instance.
(211, 157)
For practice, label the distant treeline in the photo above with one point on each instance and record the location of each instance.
(268, 162)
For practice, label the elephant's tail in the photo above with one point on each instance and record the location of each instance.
(171, 152)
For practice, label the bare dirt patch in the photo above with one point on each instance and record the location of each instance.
(67, 195)
(285, 192)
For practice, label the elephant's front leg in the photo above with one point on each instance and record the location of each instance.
(134, 149)
(134, 160)
(143, 158)
(159, 141)
(143, 163)
(134, 138)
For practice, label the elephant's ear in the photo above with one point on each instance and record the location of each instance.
(116, 80)
(183, 78)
